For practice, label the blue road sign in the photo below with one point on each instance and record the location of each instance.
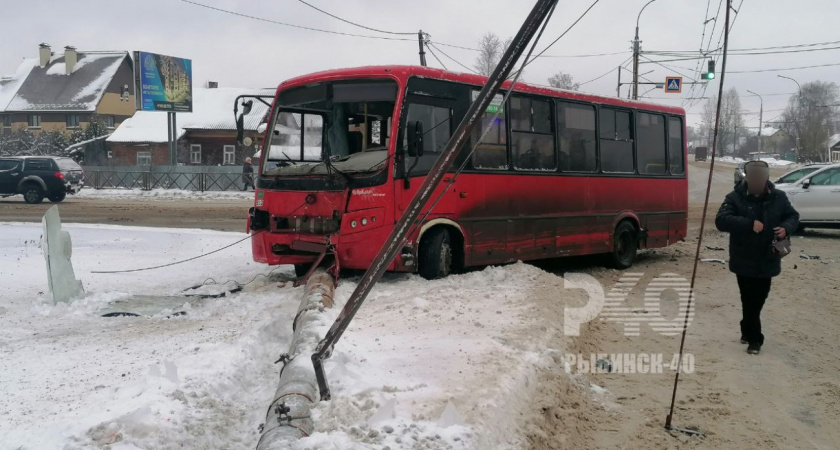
(673, 85)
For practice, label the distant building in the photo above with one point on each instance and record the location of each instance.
(834, 148)
(64, 92)
(206, 136)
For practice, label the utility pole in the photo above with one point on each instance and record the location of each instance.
(637, 44)
(618, 86)
(396, 240)
(760, 119)
(421, 40)
(796, 120)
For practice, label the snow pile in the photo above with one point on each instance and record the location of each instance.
(443, 364)
(164, 194)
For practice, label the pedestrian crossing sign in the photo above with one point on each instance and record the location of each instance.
(673, 85)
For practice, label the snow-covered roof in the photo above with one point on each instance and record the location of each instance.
(833, 140)
(50, 88)
(212, 110)
(769, 131)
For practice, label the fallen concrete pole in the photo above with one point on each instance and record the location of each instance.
(288, 418)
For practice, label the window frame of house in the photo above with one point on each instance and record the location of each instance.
(145, 155)
(228, 150)
(72, 120)
(5, 120)
(195, 149)
(110, 121)
(34, 120)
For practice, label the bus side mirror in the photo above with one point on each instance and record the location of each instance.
(806, 183)
(240, 120)
(415, 138)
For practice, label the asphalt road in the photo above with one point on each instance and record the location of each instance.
(230, 214)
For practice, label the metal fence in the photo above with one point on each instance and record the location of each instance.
(191, 178)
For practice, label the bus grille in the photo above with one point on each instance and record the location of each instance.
(307, 225)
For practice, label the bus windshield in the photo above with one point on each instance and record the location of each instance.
(325, 127)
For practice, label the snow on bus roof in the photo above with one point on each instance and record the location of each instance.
(212, 110)
(403, 72)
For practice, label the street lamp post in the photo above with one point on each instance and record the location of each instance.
(798, 150)
(636, 50)
(760, 120)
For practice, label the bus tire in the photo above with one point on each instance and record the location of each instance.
(435, 254)
(625, 244)
(302, 269)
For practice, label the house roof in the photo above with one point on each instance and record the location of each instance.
(50, 88)
(212, 110)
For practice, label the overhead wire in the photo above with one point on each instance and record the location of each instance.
(356, 24)
(302, 27)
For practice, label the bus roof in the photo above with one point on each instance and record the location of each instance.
(402, 73)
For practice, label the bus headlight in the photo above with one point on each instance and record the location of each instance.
(364, 221)
(353, 224)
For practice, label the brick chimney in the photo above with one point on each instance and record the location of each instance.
(44, 54)
(71, 57)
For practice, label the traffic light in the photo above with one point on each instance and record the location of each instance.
(710, 74)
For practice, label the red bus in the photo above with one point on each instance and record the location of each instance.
(559, 173)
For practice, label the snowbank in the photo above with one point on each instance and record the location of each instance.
(164, 194)
(772, 162)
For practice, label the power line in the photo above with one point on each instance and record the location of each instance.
(784, 69)
(436, 57)
(563, 34)
(276, 22)
(605, 73)
(432, 44)
(354, 23)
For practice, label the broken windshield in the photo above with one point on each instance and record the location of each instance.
(331, 127)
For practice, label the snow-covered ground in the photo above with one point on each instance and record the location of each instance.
(445, 364)
(163, 194)
(772, 162)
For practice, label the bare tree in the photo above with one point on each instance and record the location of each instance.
(562, 80)
(811, 118)
(731, 122)
(490, 50)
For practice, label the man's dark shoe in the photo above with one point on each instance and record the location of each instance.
(753, 349)
(744, 341)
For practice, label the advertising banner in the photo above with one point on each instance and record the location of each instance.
(164, 83)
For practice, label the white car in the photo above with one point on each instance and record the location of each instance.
(797, 174)
(817, 197)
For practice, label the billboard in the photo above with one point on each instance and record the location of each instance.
(164, 83)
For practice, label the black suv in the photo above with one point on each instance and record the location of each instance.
(36, 177)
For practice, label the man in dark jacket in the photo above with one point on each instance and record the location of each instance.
(755, 214)
(247, 175)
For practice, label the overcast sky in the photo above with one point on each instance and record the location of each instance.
(241, 52)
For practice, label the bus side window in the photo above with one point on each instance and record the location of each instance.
(676, 147)
(491, 151)
(532, 135)
(437, 128)
(616, 141)
(576, 127)
(650, 145)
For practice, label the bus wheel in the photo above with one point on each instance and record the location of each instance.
(624, 246)
(302, 269)
(435, 254)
